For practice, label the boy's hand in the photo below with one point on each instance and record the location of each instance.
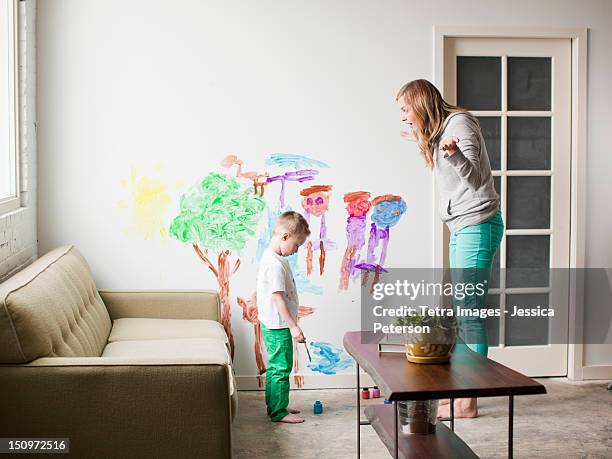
(449, 145)
(297, 334)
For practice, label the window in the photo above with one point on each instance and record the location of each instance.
(9, 119)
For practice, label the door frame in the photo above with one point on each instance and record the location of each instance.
(578, 37)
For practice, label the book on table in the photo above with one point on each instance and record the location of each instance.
(392, 342)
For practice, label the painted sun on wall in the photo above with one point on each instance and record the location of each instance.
(148, 201)
(219, 214)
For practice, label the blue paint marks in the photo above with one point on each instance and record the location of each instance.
(266, 233)
(302, 282)
(388, 213)
(292, 161)
(328, 359)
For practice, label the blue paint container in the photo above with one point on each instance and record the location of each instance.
(318, 407)
(387, 402)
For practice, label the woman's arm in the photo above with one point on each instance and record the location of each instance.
(462, 151)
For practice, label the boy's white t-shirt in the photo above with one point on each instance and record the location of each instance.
(275, 275)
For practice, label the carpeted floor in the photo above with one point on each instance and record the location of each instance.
(574, 420)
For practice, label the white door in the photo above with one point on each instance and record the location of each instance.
(520, 90)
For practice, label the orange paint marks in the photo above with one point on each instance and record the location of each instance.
(309, 257)
(315, 189)
(321, 258)
(249, 313)
(385, 197)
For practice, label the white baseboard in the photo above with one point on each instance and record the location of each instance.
(597, 372)
(341, 381)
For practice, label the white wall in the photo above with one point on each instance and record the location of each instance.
(182, 84)
(18, 239)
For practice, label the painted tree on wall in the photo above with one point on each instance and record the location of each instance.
(219, 216)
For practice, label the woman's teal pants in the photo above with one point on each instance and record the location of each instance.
(471, 252)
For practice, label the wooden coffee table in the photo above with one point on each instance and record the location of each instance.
(468, 374)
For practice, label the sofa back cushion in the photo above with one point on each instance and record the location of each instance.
(52, 309)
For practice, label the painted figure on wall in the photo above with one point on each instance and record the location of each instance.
(315, 201)
(303, 169)
(387, 211)
(249, 313)
(357, 205)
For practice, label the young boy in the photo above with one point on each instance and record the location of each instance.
(277, 304)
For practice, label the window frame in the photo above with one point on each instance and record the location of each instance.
(12, 203)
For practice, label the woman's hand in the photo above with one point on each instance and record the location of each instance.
(449, 145)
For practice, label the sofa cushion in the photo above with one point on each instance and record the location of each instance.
(210, 350)
(131, 329)
(194, 350)
(52, 309)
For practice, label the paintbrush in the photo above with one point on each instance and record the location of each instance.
(307, 351)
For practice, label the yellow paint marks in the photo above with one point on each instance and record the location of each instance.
(148, 203)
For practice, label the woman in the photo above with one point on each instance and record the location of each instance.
(451, 143)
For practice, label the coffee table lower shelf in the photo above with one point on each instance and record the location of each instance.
(442, 444)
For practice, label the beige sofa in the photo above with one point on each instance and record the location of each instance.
(120, 373)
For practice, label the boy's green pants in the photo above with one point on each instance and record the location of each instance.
(279, 345)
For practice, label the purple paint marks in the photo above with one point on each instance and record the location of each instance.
(300, 176)
(358, 206)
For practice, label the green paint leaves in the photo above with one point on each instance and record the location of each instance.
(217, 214)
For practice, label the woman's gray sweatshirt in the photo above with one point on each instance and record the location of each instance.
(466, 192)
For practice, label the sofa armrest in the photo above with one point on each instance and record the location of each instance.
(162, 304)
(120, 410)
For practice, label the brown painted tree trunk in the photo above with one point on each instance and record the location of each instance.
(223, 279)
(222, 274)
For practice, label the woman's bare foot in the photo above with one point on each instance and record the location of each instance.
(292, 419)
(293, 410)
(464, 408)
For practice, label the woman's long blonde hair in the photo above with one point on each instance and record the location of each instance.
(431, 110)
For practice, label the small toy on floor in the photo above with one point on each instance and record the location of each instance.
(318, 407)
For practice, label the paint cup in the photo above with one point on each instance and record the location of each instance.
(387, 402)
(317, 407)
(375, 392)
(365, 393)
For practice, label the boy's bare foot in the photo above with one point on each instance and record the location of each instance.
(293, 410)
(292, 419)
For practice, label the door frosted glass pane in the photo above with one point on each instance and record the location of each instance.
(528, 203)
(529, 83)
(491, 131)
(529, 143)
(527, 261)
(523, 330)
(479, 82)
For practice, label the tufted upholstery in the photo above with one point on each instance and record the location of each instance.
(52, 309)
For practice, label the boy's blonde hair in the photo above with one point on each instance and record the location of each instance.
(293, 222)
